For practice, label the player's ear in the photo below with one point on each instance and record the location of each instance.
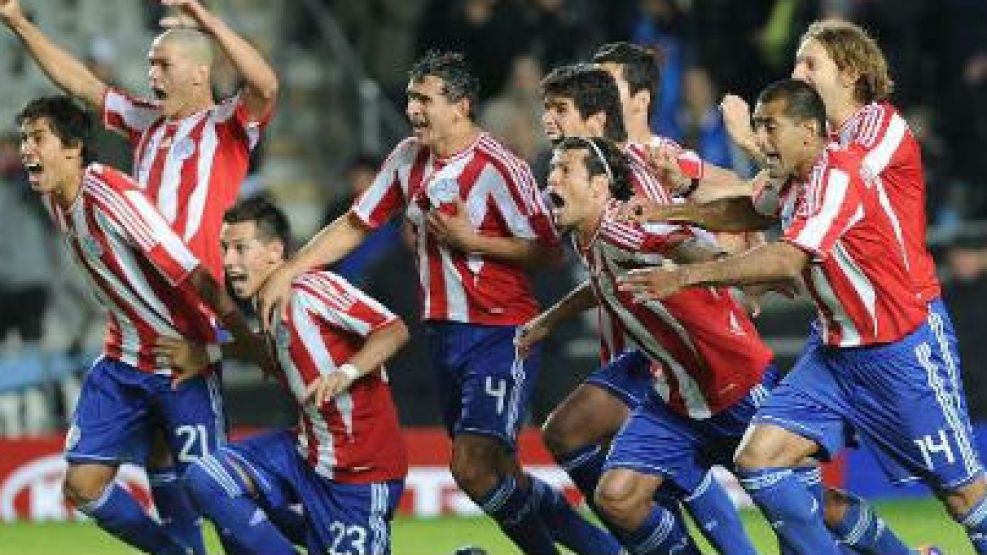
(276, 252)
(597, 123)
(641, 100)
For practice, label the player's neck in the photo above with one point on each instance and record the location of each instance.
(587, 229)
(194, 106)
(638, 131)
(843, 113)
(456, 141)
(68, 188)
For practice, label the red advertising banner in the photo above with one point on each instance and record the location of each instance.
(31, 471)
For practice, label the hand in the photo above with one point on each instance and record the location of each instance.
(737, 119)
(454, 230)
(639, 209)
(663, 159)
(326, 387)
(658, 282)
(530, 333)
(10, 10)
(187, 359)
(191, 15)
(274, 295)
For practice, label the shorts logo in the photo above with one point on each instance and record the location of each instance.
(72, 437)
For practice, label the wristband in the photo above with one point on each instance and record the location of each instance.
(351, 371)
(213, 353)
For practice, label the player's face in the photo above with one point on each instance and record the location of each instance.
(172, 75)
(814, 65)
(247, 260)
(569, 188)
(561, 119)
(628, 104)
(49, 162)
(780, 139)
(431, 114)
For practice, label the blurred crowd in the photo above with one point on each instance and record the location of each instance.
(938, 57)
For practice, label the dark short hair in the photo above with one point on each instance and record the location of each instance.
(613, 158)
(802, 102)
(592, 91)
(70, 122)
(638, 65)
(270, 220)
(458, 80)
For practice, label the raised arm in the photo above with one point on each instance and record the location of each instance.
(64, 70)
(260, 87)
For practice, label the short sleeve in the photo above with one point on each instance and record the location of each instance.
(341, 305)
(829, 207)
(384, 197)
(128, 115)
(515, 195)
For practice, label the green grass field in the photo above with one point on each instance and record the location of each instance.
(916, 521)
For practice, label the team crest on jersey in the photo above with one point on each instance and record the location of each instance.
(443, 191)
(91, 246)
(72, 437)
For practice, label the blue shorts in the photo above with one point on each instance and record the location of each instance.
(628, 377)
(903, 399)
(340, 518)
(484, 386)
(656, 440)
(119, 406)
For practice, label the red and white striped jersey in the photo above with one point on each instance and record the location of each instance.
(646, 184)
(710, 351)
(353, 438)
(190, 168)
(857, 275)
(893, 161)
(137, 265)
(501, 200)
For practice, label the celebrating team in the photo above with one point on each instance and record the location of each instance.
(686, 382)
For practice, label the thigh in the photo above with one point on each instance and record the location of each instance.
(497, 384)
(350, 518)
(657, 442)
(111, 420)
(193, 417)
(907, 405)
(627, 378)
(268, 467)
(811, 403)
(590, 414)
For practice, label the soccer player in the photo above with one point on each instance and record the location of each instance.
(190, 156)
(849, 71)
(477, 219)
(877, 364)
(714, 365)
(347, 462)
(583, 101)
(152, 286)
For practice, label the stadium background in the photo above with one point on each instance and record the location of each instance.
(342, 66)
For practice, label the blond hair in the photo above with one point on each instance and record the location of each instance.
(852, 48)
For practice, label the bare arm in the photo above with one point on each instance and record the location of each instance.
(260, 82)
(729, 214)
(379, 346)
(768, 263)
(64, 70)
(333, 242)
(538, 328)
